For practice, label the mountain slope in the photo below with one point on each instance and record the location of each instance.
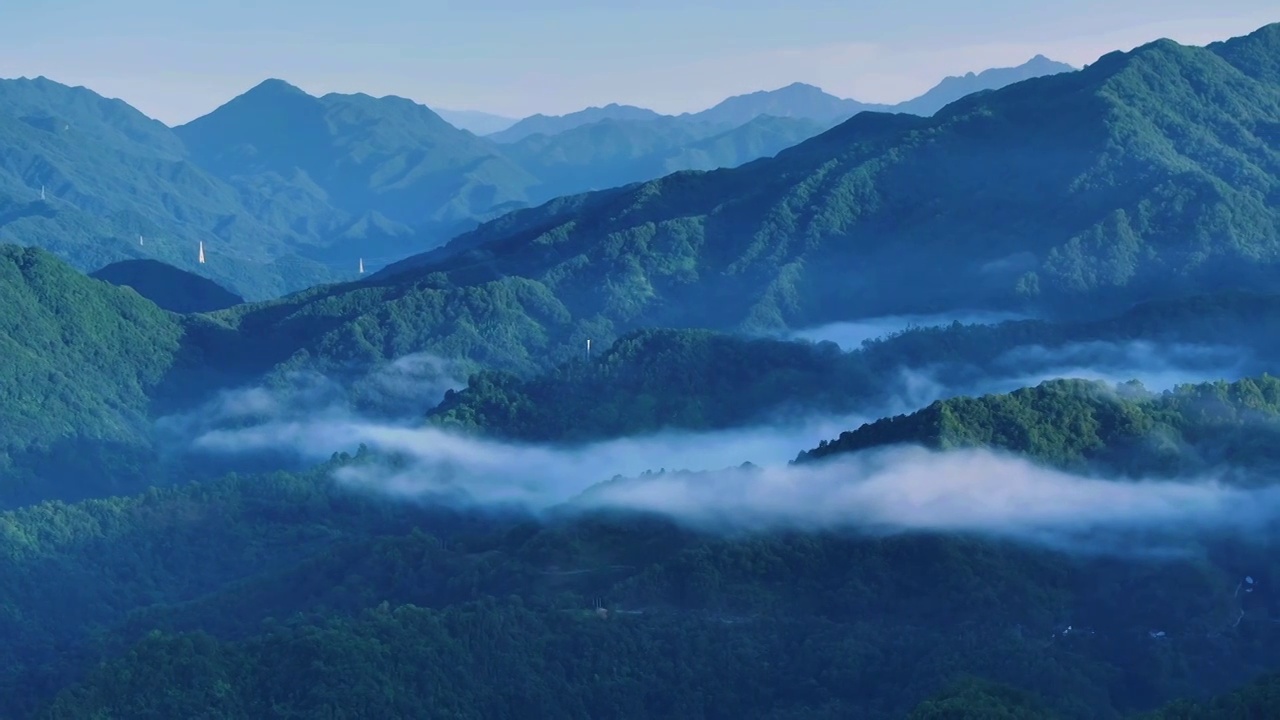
(81, 360)
(1149, 173)
(1083, 425)
(172, 289)
(301, 568)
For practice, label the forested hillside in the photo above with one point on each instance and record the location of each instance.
(493, 615)
(1081, 425)
(81, 361)
(696, 379)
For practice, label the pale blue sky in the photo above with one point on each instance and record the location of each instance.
(178, 60)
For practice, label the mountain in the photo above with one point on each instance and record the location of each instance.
(553, 124)
(357, 154)
(1184, 432)
(953, 88)
(110, 174)
(656, 380)
(610, 153)
(1068, 549)
(795, 100)
(287, 190)
(476, 122)
(172, 289)
(1086, 190)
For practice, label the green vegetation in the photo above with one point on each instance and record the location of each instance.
(1258, 700)
(285, 204)
(1080, 425)
(1145, 175)
(111, 175)
(292, 596)
(287, 190)
(81, 361)
(646, 381)
(697, 379)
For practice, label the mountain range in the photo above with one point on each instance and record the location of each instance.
(1069, 193)
(797, 100)
(287, 190)
(512, 476)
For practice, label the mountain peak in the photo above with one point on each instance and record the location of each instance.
(275, 86)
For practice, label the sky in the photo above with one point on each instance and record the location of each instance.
(178, 60)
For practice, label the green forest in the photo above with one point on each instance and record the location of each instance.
(465, 486)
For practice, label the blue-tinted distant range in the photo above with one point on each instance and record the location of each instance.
(176, 62)
(286, 189)
(343, 164)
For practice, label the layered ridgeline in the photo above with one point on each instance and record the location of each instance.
(288, 190)
(651, 380)
(96, 367)
(797, 100)
(314, 586)
(1148, 173)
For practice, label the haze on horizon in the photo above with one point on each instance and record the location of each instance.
(176, 62)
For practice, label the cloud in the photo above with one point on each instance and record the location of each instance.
(893, 490)
(910, 489)
(889, 491)
(401, 391)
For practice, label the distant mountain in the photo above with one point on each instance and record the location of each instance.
(796, 100)
(953, 88)
(169, 287)
(555, 124)
(110, 174)
(357, 154)
(474, 121)
(610, 153)
(288, 190)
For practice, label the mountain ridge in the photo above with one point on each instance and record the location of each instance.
(797, 99)
(279, 184)
(877, 155)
